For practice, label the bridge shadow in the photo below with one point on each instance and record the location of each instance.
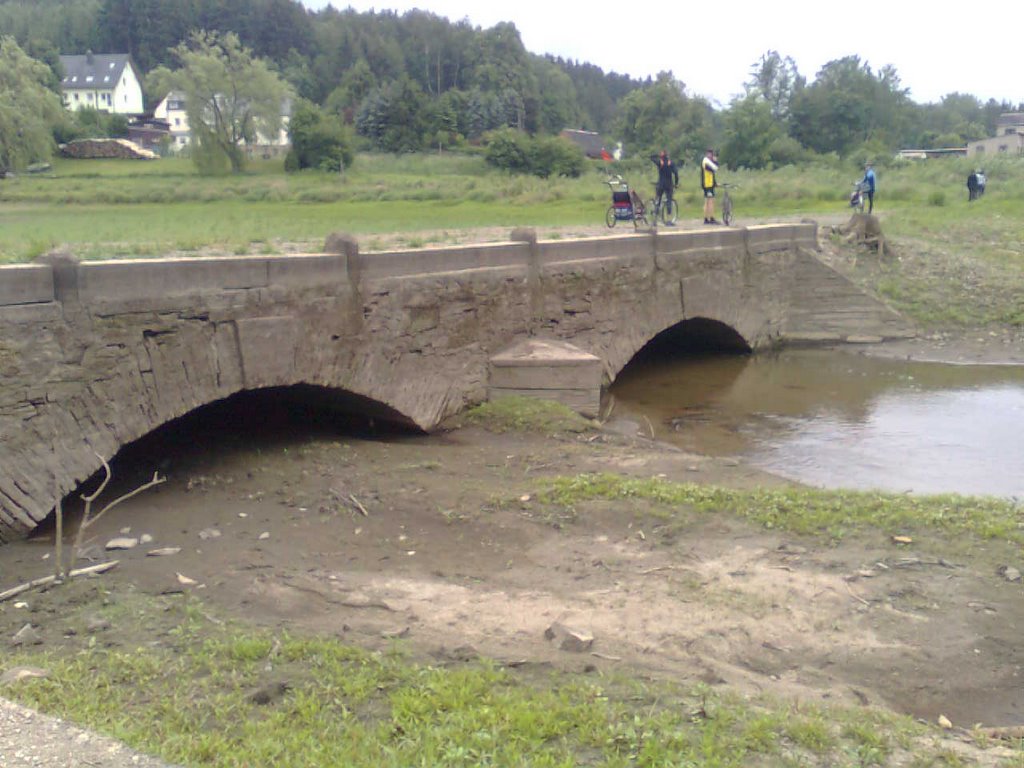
(697, 336)
(273, 420)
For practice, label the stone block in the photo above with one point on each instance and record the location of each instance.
(145, 278)
(549, 370)
(376, 266)
(26, 284)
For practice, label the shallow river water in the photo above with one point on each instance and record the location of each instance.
(839, 419)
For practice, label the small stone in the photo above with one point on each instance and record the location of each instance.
(97, 624)
(21, 604)
(944, 722)
(145, 539)
(163, 552)
(27, 635)
(125, 531)
(569, 639)
(122, 542)
(185, 581)
(265, 535)
(1009, 573)
(209, 533)
(22, 673)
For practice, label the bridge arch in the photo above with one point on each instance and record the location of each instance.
(691, 335)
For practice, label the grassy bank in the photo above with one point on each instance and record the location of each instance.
(209, 693)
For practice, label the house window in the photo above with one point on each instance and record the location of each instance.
(76, 97)
(1003, 147)
(88, 97)
(88, 78)
(177, 121)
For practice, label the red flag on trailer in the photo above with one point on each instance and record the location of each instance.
(604, 155)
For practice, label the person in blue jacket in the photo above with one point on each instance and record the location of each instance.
(868, 185)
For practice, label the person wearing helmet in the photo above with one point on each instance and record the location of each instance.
(708, 169)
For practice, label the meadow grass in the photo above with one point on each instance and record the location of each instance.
(829, 514)
(188, 698)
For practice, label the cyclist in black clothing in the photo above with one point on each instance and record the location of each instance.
(668, 179)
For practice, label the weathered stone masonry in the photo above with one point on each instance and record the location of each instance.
(94, 355)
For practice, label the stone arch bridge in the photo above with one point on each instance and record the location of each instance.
(95, 355)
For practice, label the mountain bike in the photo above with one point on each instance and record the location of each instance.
(666, 213)
(727, 203)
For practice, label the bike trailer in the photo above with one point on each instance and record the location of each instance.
(623, 205)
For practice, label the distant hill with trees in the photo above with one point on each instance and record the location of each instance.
(416, 81)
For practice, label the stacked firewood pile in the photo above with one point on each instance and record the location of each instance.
(89, 149)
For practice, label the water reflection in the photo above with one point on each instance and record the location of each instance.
(839, 419)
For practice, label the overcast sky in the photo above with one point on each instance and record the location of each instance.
(937, 48)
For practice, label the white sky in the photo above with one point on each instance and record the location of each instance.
(937, 48)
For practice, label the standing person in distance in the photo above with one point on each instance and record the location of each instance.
(868, 184)
(708, 169)
(668, 180)
(981, 182)
(972, 187)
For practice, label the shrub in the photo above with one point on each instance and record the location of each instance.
(319, 140)
(937, 198)
(545, 156)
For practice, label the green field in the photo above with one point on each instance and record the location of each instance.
(956, 263)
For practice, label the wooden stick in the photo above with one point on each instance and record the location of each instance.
(359, 506)
(42, 582)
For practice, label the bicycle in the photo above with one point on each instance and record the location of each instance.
(667, 214)
(727, 203)
(857, 197)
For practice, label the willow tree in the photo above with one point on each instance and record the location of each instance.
(231, 97)
(28, 108)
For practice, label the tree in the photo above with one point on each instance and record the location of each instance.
(775, 80)
(661, 116)
(750, 132)
(29, 110)
(319, 140)
(230, 97)
(848, 105)
(392, 116)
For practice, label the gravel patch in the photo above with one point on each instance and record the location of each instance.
(30, 739)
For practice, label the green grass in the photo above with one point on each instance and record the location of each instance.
(188, 699)
(832, 514)
(526, 414)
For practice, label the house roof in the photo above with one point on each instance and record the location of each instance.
(589, 141)
(1011, 119)
(91, 71)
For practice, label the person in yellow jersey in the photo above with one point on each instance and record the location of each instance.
(708, 169)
